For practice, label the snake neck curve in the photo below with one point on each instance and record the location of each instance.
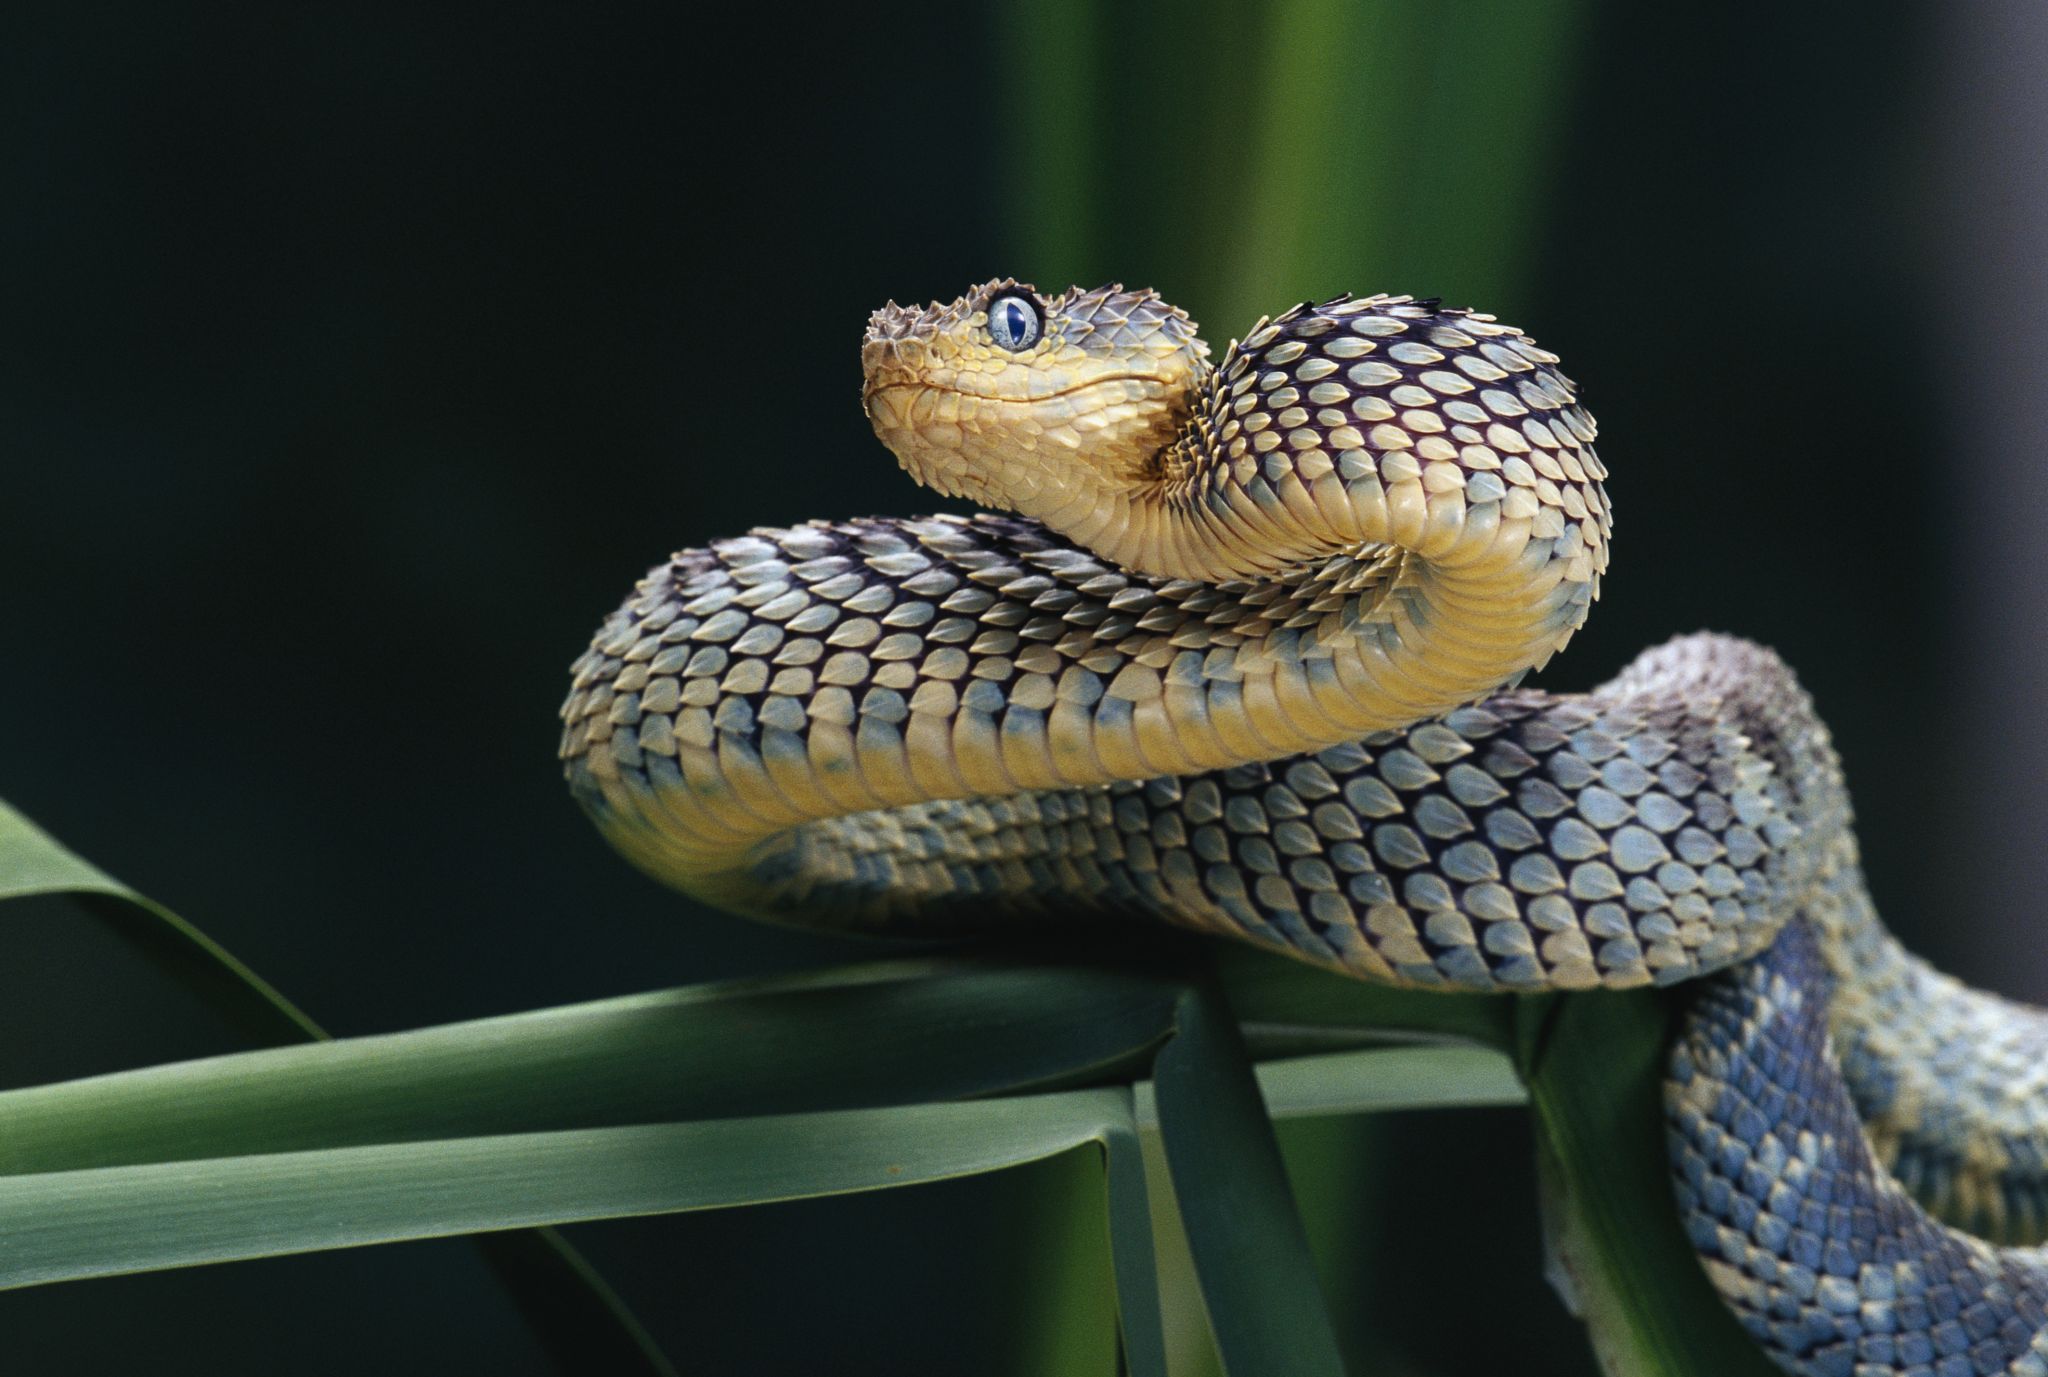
(1374, 450)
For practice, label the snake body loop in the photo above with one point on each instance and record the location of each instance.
(1242, 659)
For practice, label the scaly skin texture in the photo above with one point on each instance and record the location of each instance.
(1241, 660)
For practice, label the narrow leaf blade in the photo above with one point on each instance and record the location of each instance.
(1250, 1251)
(864, 1036)
(61, 1226)
(569, 1307)
(32, 862)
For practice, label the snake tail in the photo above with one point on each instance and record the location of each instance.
(1826, 1260)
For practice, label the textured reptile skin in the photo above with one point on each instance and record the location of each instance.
(1239, 660)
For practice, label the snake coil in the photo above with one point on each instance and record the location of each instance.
(1241, 657)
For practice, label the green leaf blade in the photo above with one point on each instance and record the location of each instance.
(59, 1226)
(569, 1306)
(33, 863)
(873, 1035)
(1251, 1254)
(1596, 1064)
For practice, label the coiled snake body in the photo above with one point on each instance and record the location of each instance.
(1242, 660)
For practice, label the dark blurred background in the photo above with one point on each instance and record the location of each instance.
(357, 359)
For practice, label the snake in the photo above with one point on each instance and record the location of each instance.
(1239, 645)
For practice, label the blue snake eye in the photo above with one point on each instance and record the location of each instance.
(1014, 321)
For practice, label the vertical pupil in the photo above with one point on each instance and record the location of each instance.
(1013, 318)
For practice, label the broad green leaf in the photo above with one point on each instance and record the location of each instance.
(903, 1033)
(573, 1312)
(856, 1036)
(902, 1030)
(864, 1035)
(57, 1226)
(1250, 1253)
(659, 1056)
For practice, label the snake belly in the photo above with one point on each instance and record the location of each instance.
(1239, 654)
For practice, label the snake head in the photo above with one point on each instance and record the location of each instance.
(1028, 402)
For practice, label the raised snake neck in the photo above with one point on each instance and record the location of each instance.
(1238, 663)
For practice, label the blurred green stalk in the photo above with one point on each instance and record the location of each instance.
(1242, 158)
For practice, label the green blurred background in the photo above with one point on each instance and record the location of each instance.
(357, 359)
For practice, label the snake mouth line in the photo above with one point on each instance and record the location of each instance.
(1033, 400)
